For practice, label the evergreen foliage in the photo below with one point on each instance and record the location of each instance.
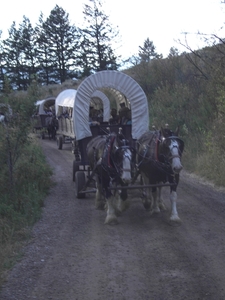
(58, 46)
(55, 50)
(97, 39)
(25, 177)
(148, 51)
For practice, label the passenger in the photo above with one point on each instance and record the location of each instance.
(114, 117)
(122, 107)
(48, 112)
(128, 120)
(100, 115)
(66, 114)
(123, 112)
(93, 123)
(91, 115)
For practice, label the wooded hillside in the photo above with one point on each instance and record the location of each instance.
(187, 90)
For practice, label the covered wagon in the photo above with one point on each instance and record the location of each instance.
(122, 89)
(44, 109)
(64, 106)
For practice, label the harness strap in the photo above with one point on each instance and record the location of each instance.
(108, 150)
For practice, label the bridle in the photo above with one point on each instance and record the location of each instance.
(128, 154)
(179, 145)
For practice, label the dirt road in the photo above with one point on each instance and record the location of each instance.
(74, 256)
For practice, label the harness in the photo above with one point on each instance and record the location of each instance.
(106, 157)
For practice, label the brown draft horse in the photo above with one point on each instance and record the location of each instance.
(110, 158)
(159, 161)
(52, 126)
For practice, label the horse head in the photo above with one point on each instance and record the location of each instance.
(121, 157)
(171, 148)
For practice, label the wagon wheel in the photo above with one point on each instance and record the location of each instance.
(60, 142)
(76, 165)
(76, 151)
(80, 183)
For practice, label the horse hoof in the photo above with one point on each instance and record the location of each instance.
(111, 220)
(175, 219)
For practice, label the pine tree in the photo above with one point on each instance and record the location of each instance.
(97, 39)
(148, 51)
(28, 51)
(19, 56)
(2, 65)
(13, 57)
(58, 45)
(44, 55)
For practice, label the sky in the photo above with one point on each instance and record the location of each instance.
(164, 22)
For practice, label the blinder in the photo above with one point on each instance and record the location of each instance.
(180, 142)
(121, 150)
(166, 158)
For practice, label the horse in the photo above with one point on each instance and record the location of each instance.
(110, 159)
(159, 162)
(52, 126)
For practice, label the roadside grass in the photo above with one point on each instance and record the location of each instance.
(18, 214)
(211, 166)
(204, 156)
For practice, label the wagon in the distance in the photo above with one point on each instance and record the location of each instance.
(44, 109)
(64, 106)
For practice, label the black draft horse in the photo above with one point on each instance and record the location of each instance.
(159, 162)
(52, 126)
(110, 158)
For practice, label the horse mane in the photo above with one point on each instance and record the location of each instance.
(148, 143)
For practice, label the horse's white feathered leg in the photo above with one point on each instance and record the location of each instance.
(160, 199)
(111, 217)
(174, 214)
(121, 205)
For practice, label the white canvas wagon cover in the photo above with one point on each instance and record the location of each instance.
(110, 80)
(65, 99)
(45, 102)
